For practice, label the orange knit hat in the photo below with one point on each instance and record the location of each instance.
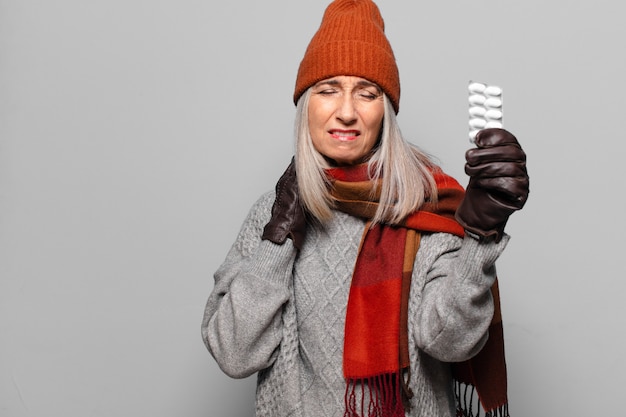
(350, 41)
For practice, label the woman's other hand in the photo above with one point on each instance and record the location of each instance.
(288, 218)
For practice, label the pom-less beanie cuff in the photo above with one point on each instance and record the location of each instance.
(350, 41)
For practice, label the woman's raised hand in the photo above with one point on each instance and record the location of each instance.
(498, 185)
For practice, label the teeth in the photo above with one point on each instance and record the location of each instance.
(346, 134)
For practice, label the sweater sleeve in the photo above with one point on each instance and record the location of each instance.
(242, 324)
(456, 305)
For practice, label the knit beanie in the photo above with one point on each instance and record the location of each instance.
(350, 41)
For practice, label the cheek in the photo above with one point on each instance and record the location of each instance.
(313, 121)
(372, 113)
(374, 123)
(318, 117)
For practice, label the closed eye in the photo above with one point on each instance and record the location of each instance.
(367, 95)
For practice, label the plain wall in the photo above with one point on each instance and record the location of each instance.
(135, 135)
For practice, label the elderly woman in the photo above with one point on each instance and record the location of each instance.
(364, 284)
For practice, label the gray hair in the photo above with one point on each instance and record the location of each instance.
(406, 171)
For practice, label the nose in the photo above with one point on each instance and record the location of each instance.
(346, 111)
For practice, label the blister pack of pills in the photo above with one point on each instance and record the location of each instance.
(485, 107)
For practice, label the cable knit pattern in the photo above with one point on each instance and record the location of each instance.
(298, 322)
(248, 238)
(321, 301)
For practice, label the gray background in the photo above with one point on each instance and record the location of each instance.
(135, 135)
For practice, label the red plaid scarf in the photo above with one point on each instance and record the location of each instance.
(376, 347)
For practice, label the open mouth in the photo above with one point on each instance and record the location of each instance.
(344, 135)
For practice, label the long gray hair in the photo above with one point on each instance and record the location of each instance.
(407, 181)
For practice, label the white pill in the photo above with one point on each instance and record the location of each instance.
(472, 135)
(493, 124)
(477, 111)
(492, 90)
(478, 123)
(493, 114)
(493, 102)
(476, 88)
(477, 99)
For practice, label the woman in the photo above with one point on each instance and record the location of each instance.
(364, 286)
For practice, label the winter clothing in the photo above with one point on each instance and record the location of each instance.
(350, 41)
(282, 313)
(498, 186)
(288, 217)
(376, 352)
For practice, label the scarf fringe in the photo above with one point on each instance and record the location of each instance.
(380, 396)
(468, 404)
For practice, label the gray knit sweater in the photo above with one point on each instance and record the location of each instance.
(281, 313)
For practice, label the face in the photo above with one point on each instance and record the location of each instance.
(345, 118)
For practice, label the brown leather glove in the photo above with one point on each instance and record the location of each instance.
(288, 219)
(498, 183)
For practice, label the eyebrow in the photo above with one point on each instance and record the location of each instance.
(360, 83)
